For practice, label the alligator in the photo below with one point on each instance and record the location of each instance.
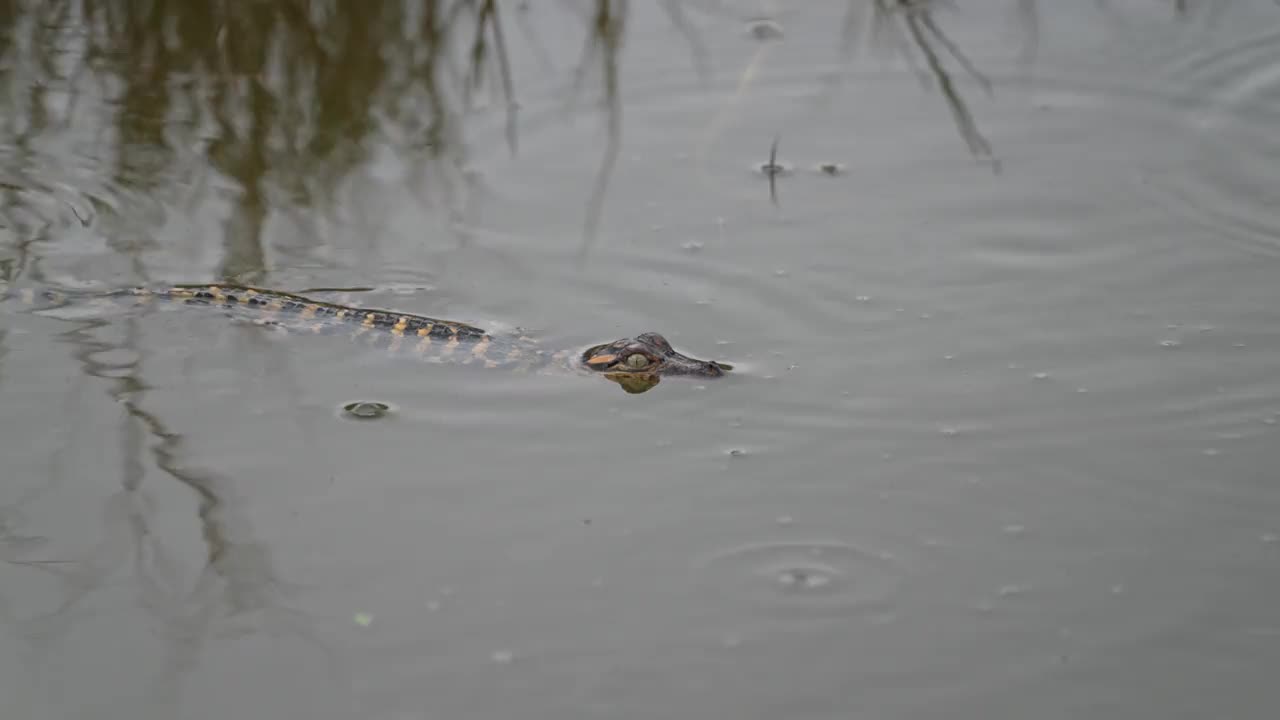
(636, 364)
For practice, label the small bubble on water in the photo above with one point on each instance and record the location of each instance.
(1014, 530)
(926, 316)
(731, 640)
(366, 410)
(692, 246)
(948, 357)
(765, 29)
(949, 431)
(1040, 376)
(1211, 452)
(784, 520)
(1117, 589)
(780, 272)
(1170, 344)
(804, 578)
(1082, 390)
(1009, 590)
(1269, 421)
(1237, 345)
(1270, 538)
(863, 298)
(434, 606)
(503, 657)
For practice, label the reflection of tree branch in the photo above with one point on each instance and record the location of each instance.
(236, 577)
(606, 40)
(926, 19)
(924, 31)
(701, 61)
(978, 145)
(487, 19)
(1029, 16)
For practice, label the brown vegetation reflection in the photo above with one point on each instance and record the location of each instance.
(277, 96)
(282, 97)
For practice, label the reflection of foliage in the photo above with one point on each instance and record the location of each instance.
(908, 27)
(286, 98)
(608, 23)
(279, 81)
(280, 97)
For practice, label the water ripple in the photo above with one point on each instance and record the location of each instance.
(1233, 94)
(826, 577)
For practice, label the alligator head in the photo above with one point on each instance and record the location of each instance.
(638, 363)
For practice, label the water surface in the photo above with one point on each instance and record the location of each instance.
(1002, 440)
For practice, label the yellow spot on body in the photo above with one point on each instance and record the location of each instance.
(400, 325)
(340, 314)
(308, 311)
(274, 306)
(602, 359)
(450, 346)
(248, 293)
(369, 318)
(217, 293)
(426, 330)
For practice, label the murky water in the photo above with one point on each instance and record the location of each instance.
(1002, 438)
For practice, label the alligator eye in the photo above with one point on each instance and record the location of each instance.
(637, 360)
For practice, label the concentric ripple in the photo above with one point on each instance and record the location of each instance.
(1228, 185)
(824, 577)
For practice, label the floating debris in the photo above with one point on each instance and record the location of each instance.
(764, 29)
(366, 410)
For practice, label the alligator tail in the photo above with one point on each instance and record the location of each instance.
(35, 299)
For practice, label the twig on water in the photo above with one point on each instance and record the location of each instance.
(772, 169)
